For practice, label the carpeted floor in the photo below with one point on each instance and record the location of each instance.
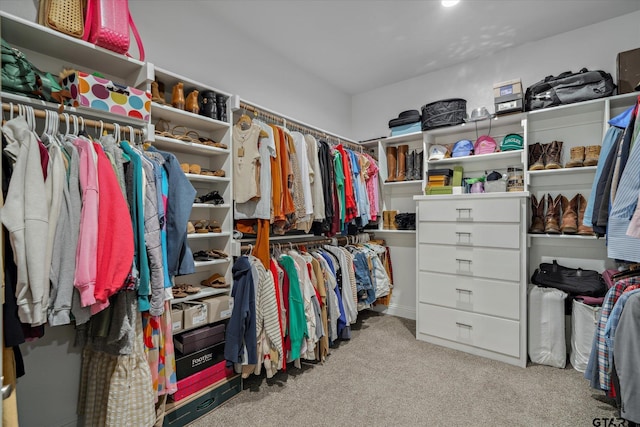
(385, 377)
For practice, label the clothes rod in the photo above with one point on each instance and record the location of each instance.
(299, 126)
(42, 114)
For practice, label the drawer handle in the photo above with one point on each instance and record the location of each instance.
(467, 218)
(464, 325)
(463, 233)
(468, 291)
(464, 260)
(204, 405)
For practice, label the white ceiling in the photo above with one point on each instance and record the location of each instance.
(359, 45)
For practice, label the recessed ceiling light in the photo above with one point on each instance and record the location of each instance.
(450, 3)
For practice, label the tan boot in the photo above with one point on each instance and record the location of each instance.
(191, 104)
(569, 215)
(177, 96)
(553, 156)
(583, 230)
(155, 93)
(392, 161)
(392, 220)
(402, 162)
(385, 220)
(536, 157)
(552, 218)
(537, 215)
(592, 155)
(577, 157)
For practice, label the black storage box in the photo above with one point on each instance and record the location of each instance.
(440, 172)
(186, 411)
(447, 112)
(189, 364)
(198, 339)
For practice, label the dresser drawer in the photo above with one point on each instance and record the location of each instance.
(486, 332)
(482, 296)
(470, 234)
(503, 264)
(470, 210)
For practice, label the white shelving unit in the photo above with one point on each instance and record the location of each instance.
(207, 157)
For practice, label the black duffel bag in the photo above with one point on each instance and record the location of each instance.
(447, 112)
(568, 88)
(574, 281)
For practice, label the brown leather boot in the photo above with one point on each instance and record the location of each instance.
(569, 215)
(537, 215)
(402, 162)
(392, 220)
(155, 93)
(583, 230)
(385, 220)
(536, 157)
(577, 157)
(592, 155)
(177, 96)
(552, 218)
(553, 156)
(391, 163)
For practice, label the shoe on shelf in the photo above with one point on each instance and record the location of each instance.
(217, 254)
(552, 218)
(184, 167)
(191, 103)
(569, 215)
(177, 96)
(536, 156)
(577, 157)
(202, 226)
(213, 197)
(214, 227)
(190, 228)
(592, 154)
(187, 288)
(216, 280)
(553, 155)
(537, 219)
(156, 96)
(195, 169)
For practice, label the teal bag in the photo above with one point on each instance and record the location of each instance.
(22, 77)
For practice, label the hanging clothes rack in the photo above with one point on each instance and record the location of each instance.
(308, 241)
(42, 114)
(299, 126)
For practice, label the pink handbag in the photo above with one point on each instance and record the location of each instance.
(107, 25)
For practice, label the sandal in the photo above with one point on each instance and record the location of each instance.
(202, 226)
(217, 254)
(163, 129)
(184, 167)
(219, 173)
(181, 133)
(214, 227)
(189, 289)
(216, 280)
(195, 169)
(202, 256)
(207, 172)
(178, 293)
(211, 143)
(190, 228)
(212, 197)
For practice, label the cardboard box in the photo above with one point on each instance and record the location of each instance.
(177, 320)
(508, 104)
(198, 381)
(189, 364)
(198, 339)
(219, 307)
(195, 314)
(510, 87)
(628, 70)
(95, 92)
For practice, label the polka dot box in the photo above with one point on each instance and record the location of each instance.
(101, 94)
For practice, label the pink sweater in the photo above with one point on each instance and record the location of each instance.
(86, 254)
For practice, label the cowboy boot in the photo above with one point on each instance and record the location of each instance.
(552, 218)
(391, 163)
(536, 157)
(537, 215)
(177, 96)
(392, 220)
(385, 220)
(592, 155)
(583, 230)
(577, 157)
(553, 156)
(402, 162)
(418, 166)
(569, 215)
(409, 173)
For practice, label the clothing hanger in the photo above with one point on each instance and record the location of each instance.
(632, 270)
(249, 251)
(244, 122)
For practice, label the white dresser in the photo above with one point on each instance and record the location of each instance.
(471, 274)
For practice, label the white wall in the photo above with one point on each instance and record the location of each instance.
(594, 47)
(180, 37)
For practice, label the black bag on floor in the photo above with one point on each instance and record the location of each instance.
(447, 112)
(568, 88)
(574, 281)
